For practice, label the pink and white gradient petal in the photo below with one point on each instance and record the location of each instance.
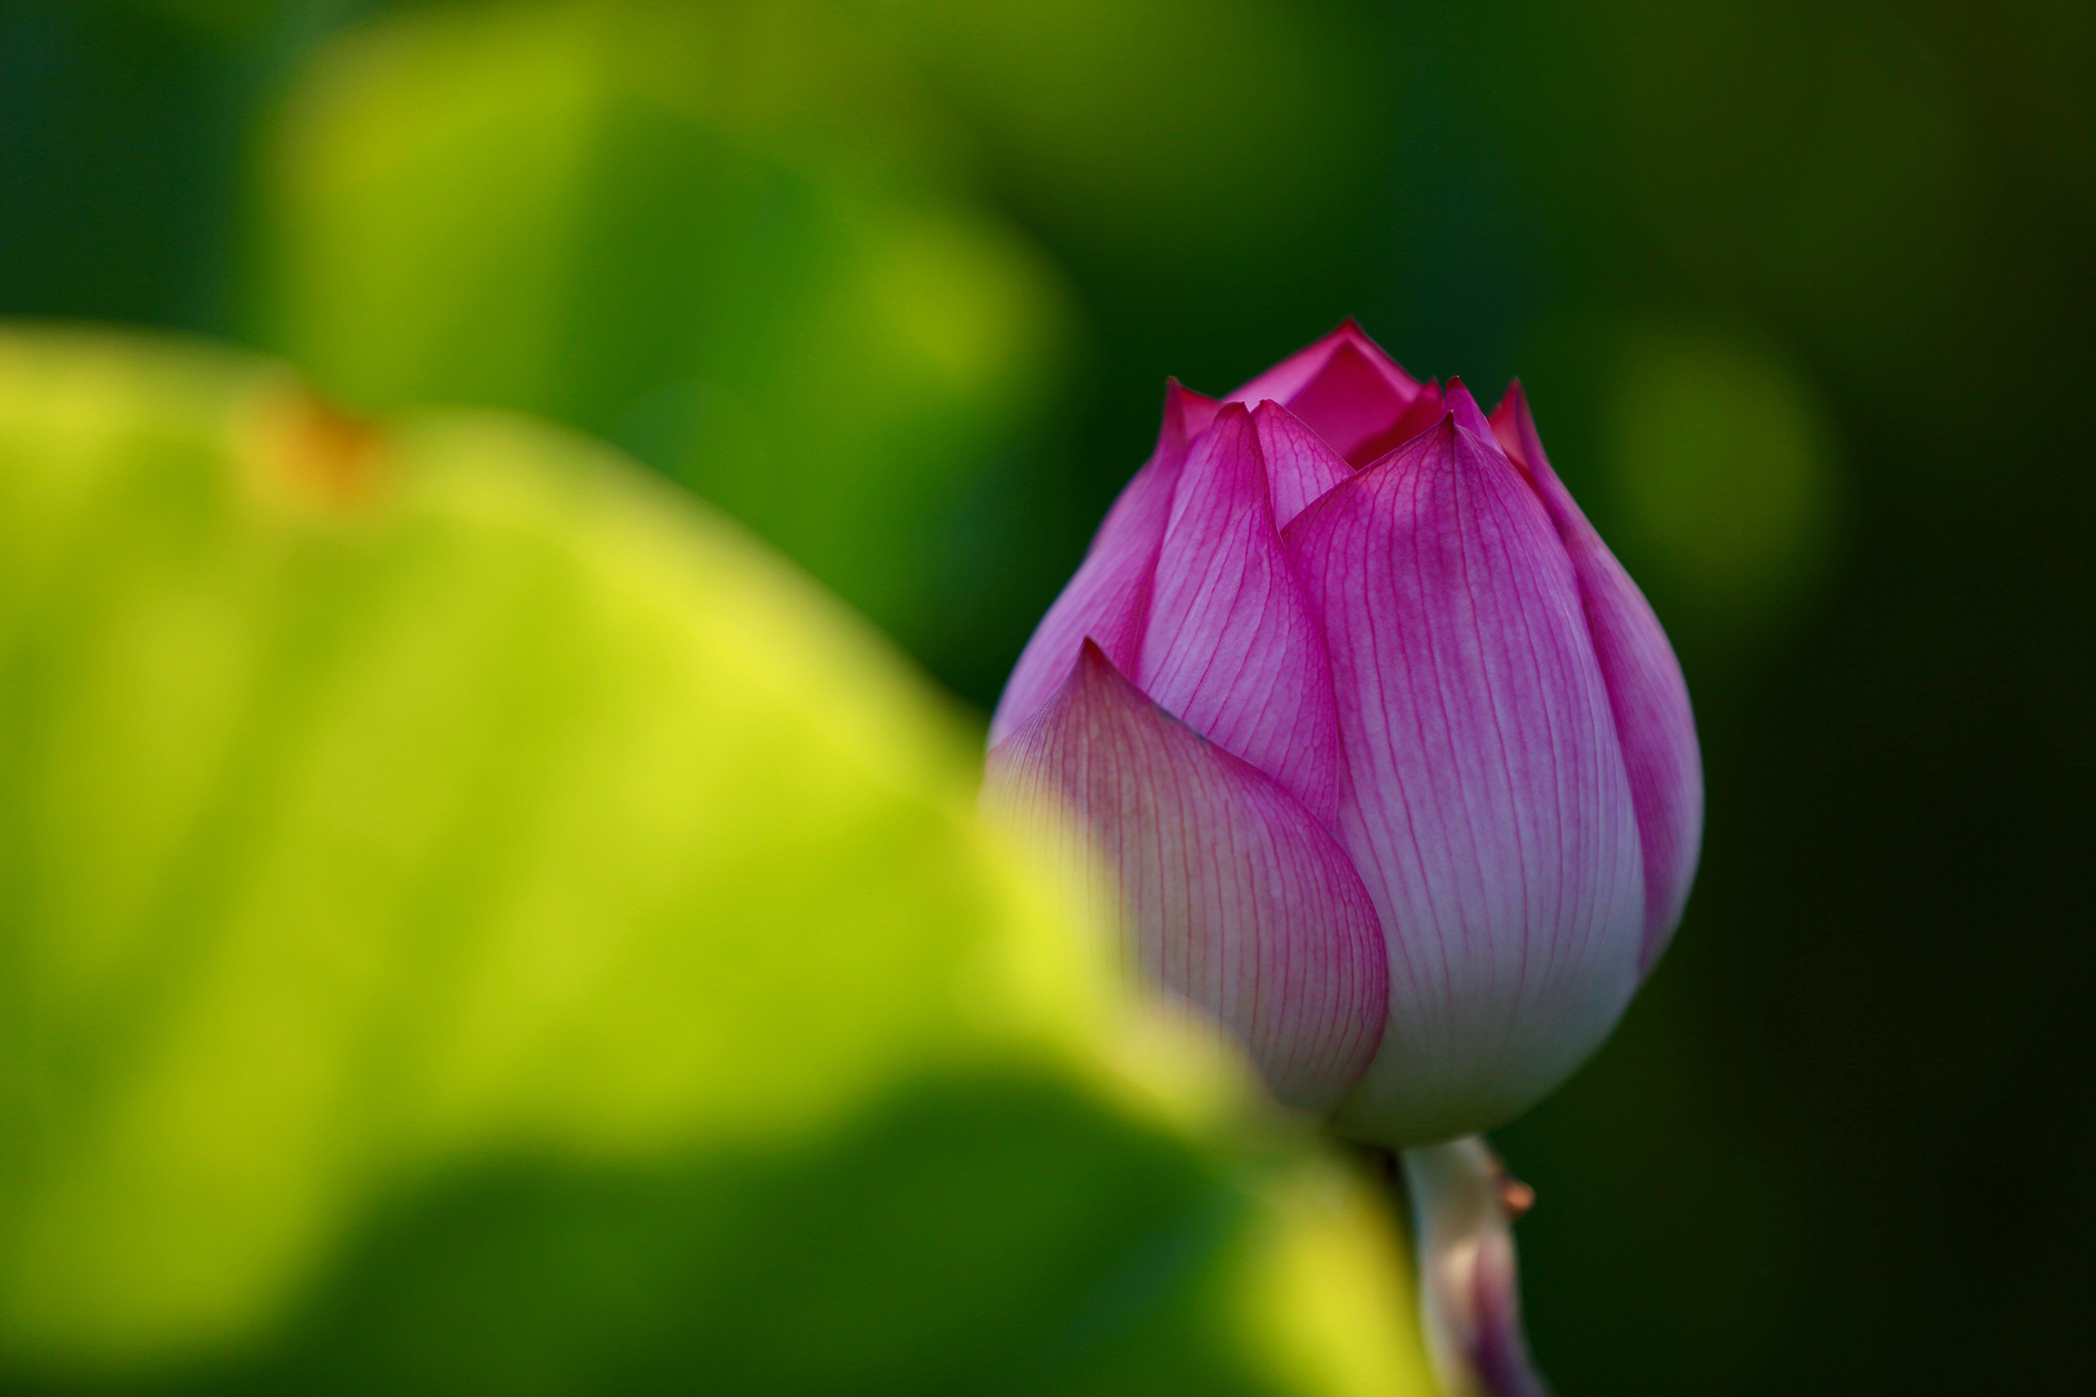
(1231, 647)
(1231, 894)
(1300, 467)
(1109, 598)
(1654, 723)
(1483, 795)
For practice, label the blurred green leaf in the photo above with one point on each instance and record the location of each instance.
(1181, 127)
(733, 237)
(1807, 162)
(471, 920)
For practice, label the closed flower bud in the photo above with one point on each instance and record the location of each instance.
(1392, 763)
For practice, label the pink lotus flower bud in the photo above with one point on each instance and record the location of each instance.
(1394, 764)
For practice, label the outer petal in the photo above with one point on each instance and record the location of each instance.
(1469, 416)
(1469, 1284)
(1344, 386)
(1299, 466)
(1483, 795)
(1109, 598)
(1235, 897)
(1649, 698)
(1231, 646)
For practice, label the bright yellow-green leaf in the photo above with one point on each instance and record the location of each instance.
(471, 920)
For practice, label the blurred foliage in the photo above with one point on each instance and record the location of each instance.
(1710, 455)
(1766, 270)
(1723, 463)
(1135, 124)
(754, 243)
(727, 237)
(473, 922)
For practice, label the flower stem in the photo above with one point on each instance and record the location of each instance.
(1458, 1204)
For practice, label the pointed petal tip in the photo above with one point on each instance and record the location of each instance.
(1186, 414)
(1515, 428)
(1351, 329)
(1419, 416)
(1229, 423)
(1434, 435)
(1344, 384)
(1094, 667)
(1301, 466)
(1463, 406)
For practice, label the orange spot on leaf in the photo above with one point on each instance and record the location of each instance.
(308, 450)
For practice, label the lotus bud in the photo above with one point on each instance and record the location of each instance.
(1392, 764)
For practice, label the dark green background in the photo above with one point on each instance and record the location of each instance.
(1841, 1142)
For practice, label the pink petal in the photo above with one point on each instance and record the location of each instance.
(1231, 647)
(1234, 896)
(1426, 410)
(1482, 790)
(1299, 466)
(1285, 379)
(1648, 696)
(1344, 386)
(1469, 1283)
(1469, 416)
(1109, 597)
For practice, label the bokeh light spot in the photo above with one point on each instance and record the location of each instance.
(1724, 465)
